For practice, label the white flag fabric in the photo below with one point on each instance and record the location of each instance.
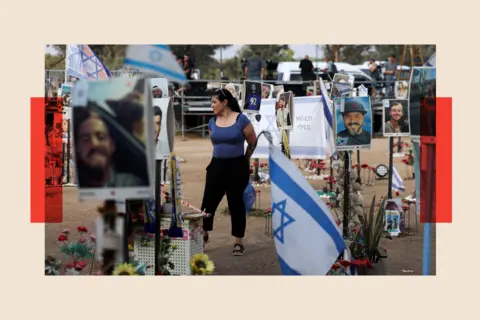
(81, 62)
(154, 59)
(397, 181)
(307, 239)
(308, 138)
(268, 123)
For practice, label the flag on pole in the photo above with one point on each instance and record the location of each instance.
(155, 59)
(81, 62)
(397, 181)
(328, 111)
(307, 239)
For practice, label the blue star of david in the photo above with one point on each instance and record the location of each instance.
(285, 219)
(155, 55)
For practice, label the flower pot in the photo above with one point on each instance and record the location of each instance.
(379, 269)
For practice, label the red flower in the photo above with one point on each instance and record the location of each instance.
(368, 264)
(372, 168)
(69, 266)
(82, 240)
(405, 208)
(335, 267)
(397, 193)
(82, 229)
(357, 262)
(255, 164)
(80, 265)
(269, 210)
(338, 223)
(345, 263)
(62, 238)
(354, 166)
(364, 166)
(355, 230)
(258, 191)
(251, 170)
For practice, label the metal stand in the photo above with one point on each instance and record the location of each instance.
(158, 168)
(390, 168)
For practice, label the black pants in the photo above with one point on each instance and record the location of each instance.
(228, 176)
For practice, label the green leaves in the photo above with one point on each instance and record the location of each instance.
(373, 230)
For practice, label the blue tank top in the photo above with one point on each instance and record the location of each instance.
(228, 142)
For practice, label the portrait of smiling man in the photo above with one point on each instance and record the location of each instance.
(356, 132)
(95, 153)
(398, 122)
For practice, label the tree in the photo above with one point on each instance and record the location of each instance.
(203, 56)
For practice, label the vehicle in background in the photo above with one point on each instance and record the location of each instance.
(290, 72)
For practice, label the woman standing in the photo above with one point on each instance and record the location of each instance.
(229, 170)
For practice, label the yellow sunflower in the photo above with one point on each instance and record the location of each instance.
(200, 265)
(125, 269)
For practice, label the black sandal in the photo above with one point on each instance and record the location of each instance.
(238, 250)
(205, 239)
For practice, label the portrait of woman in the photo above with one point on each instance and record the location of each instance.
(229, 169)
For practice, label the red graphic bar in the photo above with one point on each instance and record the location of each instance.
(444, 161)
(436, 165)
(46, 204)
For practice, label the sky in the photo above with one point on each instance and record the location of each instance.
(299, 51)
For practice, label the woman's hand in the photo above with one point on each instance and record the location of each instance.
(251, 138)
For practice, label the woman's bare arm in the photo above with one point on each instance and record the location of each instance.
(251, 138)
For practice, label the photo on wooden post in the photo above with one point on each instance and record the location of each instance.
(283, 111)
(234, 88)
(164, 121)
(353, 123)
(277, 90)
(267, 91)
(395, 118)
(111, 139)
(342, 85)
(401, 89)
(66, 94)
(422, 102)
(252, 96)
(159, 88)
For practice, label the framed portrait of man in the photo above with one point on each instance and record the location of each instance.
(353, 123)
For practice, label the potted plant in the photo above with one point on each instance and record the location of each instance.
(366, 240)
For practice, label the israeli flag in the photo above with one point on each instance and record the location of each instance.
(154, 59)
(307, 239)
(397, 181)
(328, 112)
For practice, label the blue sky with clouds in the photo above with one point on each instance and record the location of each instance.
(299, 50)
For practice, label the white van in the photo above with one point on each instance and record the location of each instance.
(290, 71)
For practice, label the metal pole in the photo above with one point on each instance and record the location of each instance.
(183, 114)
(390, 169)
(429, 192)
(158, 168)
(358, 167)
(346, 193)
(221, 63)
(316, 61)
(68, 151)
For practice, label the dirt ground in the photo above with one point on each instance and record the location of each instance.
(404, 254)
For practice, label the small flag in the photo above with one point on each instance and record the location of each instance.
(328, 111)
(155, 59)
(81, 62)
(397, 182)
(307, 239)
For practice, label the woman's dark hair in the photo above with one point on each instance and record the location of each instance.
(157, 111)
(224, 94)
